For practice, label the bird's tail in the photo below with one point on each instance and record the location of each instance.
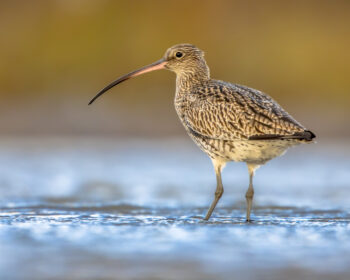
(306, 135)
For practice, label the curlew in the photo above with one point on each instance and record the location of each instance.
(229, 122)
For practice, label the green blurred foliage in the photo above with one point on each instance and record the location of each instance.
(55, 56)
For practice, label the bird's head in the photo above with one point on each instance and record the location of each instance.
(183, 59)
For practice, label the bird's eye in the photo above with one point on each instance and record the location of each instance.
(178, 54)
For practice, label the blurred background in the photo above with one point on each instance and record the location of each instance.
(117, 190)
(56, 55)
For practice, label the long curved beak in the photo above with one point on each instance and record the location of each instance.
(154, 66)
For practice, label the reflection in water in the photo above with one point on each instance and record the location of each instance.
(133, 210)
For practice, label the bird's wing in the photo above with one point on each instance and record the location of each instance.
(230, 112)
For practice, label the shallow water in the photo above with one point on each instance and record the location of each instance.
(79, 208)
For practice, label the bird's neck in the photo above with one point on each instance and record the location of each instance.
(189, 78)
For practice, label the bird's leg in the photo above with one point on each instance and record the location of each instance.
(250, 192)
(219, 187)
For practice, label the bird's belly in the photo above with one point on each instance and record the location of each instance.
(250, 151)
(257, 152)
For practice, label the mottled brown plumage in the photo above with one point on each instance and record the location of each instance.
(229, 122)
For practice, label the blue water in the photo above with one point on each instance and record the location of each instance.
(95, 208)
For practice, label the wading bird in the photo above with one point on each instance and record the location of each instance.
(229, 122)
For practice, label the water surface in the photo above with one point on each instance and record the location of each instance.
(78, 208)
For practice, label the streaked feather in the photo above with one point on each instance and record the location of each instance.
(225, 111)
